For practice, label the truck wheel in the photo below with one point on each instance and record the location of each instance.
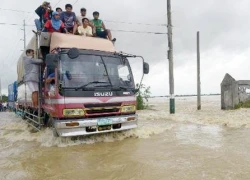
(52, 127)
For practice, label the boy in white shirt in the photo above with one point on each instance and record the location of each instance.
(83, 14)
(85, 29)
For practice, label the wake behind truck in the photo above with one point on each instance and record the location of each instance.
(93, 90)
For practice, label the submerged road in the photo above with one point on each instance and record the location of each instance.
(211, 144)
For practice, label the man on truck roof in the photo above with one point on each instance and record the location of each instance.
(31, 75)
(69, 19)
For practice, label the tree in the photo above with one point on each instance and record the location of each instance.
(4, 98)
(142, 97)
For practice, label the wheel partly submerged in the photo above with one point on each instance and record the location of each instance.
(51, 125)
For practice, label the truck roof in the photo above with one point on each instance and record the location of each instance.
(81, 42)
(67, 41)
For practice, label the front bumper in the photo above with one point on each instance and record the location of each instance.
(65, 131)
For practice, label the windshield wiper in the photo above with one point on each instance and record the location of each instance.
(114, 87)
(123, 88)
(93, 82)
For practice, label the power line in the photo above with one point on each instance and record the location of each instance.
(75, 2)
(14, 24)
(117, 30)
(14, 10)
(135, 23)
(140, 32)
(57, 3)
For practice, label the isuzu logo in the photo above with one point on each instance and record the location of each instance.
(103, 94)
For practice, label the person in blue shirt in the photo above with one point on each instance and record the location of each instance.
(51, 78)
(69, 19)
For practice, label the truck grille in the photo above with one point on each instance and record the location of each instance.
(92, 109)
(102, 105)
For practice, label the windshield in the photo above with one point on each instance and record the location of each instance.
(95, 71)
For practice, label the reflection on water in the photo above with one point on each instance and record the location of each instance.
(188, 145)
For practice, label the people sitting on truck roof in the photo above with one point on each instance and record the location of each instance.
(55, 24)
(83, 14)
(100, 28)
(59, 10)
(85, 29)
(69, 19)
(45, 13)
(31, 74)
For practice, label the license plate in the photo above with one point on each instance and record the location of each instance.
(104, 122)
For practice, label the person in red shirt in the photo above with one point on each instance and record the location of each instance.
(55, 24)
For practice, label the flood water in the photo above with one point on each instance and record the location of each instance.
(210, 144)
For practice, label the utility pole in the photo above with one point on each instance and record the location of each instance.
(198, 73)
(24, 35)
(170, 58)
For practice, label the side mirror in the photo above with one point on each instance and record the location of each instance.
(51, 60)
(145, 68)
(73, 53)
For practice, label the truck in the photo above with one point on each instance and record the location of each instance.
(93, 90)
(12, 96)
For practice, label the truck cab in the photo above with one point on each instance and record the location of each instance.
(93, 89)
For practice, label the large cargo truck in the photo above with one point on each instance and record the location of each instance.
(93, 90)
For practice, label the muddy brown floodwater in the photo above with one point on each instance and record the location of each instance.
(210, 144)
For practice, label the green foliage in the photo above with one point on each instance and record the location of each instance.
(243, 105)
(142, 97)
(4, 98)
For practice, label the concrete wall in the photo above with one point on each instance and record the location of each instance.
(233, 92)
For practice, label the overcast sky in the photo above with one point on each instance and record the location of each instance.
(223, 25)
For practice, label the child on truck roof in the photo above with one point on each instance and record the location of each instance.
(55, 24)
(100, 28)
(85, 29)
(83, 14)
(59, 10)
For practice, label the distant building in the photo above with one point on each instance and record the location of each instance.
(234, 92)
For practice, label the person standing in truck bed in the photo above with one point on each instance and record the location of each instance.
(31, 75)
(100, 28)
(44, 12)
(69, 19)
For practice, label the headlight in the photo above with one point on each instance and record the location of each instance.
(127, 109)
(73, 112)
